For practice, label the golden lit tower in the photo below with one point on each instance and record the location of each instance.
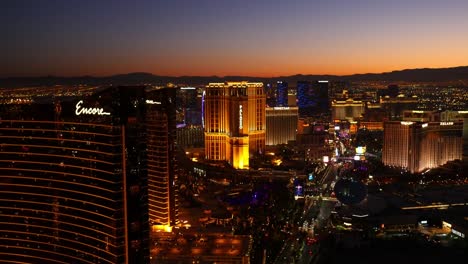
(162, 165)
(416, 146)
(234, 117)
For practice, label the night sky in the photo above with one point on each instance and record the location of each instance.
(228, 37)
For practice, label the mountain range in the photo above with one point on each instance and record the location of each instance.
(453, 74)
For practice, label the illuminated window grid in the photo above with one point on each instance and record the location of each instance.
(222, 102)
(73, 209)
(161, 194)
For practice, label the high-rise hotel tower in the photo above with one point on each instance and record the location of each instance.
(162, 165)
(416, 146)
(83, 170)
(281, 125)
(234, 117)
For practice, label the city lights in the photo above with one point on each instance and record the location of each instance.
(231, 132)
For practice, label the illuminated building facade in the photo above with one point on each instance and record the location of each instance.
(190, 137)
(281, 125)
(347, 110)
(74, 169)
(162, 166)
(395, 152)
(215, 248)
(281, 94)
(458, 116)
(373, 126)
(305, 101)
(234, 116)
(416, 146)
(313, 98)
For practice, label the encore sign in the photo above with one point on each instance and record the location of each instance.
(80, 110)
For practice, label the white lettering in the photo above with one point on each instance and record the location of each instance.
(152, 102)
(446, 123)
(80, 110)
(406, 123)
(240, 117)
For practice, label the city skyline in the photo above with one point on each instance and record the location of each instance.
(224, 38)
(96, 173)
(243, 132)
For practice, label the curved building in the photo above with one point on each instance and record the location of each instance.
(73, 175)
(162, 167)
(417, 146)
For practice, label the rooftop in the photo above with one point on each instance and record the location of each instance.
(193, 245)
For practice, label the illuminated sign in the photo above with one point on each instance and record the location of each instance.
(187, 88)
(446, 123)
(240, 117)
(281, 108)
(322, 81)
(418, 112)
(446, 224)
(152, 102)
(360, 150)
(424, 125)
(326, 159)
(203, 109)
(80, 110)
(463, 112)
(458, 233)
(405, 123)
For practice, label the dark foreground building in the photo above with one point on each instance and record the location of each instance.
(74, 173)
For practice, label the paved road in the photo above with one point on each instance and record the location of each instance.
(296, 249)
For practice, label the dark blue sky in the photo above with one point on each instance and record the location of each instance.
(220, 37)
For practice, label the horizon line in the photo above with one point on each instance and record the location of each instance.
(216, 76)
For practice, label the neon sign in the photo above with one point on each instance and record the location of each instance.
(80, 110)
